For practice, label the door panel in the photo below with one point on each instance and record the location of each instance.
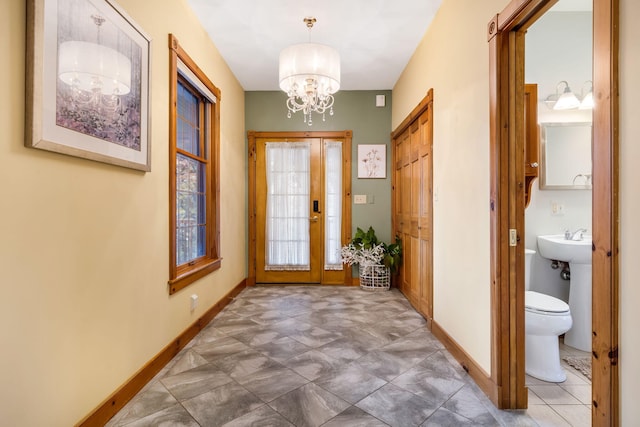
(299, 183)
(285, 208)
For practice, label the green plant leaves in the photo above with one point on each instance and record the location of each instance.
(392, 252)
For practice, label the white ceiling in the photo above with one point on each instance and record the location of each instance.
(375, 38)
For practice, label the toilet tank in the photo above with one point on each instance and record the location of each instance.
(528, 258)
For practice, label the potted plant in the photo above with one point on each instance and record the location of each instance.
(377, 260)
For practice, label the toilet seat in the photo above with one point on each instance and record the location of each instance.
(545, 304)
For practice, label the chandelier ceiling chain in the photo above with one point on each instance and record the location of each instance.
(309, 75)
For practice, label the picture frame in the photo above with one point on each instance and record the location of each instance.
(88, 82)
(372, 161)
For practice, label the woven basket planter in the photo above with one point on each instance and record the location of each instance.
(375, 277)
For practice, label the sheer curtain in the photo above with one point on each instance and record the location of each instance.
(333, 205)
(288, 187)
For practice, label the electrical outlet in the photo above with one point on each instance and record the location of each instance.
(360, 199)
(557, 209)
(194, 302)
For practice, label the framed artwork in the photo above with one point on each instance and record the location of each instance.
(88, 82)
(372, 161)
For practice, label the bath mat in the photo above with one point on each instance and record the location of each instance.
(581, 364)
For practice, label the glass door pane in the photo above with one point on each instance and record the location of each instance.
(287, 213)
(333, 205)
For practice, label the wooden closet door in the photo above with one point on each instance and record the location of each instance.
(413, 205)
(425, 218)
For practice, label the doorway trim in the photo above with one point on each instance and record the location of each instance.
(346, 137)
(506, 33)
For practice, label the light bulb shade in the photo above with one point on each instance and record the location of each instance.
(90, 66)
(303, 62)
(567, 101)
(587, 102)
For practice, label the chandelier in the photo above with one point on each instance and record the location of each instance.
(310, 75)
(98, 75)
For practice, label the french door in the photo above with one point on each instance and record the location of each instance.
(300, 206)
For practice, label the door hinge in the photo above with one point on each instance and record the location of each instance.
(613, 356)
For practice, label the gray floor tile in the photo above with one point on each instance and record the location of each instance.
(150, 401)
(255, 337)
(386, 365)
(246, 362)
(351, 383)
(467, 404)
(189, 360)
(175, 416)
(428, 384)
(397, 407)
(221, 405)
(220, 349)
(313, 364)
(233, 324)
(354, 417)
(283, 349)
(261, 417)
(193, 382)
(269, 384)
(315, 337)
(440, 365)
(309, 406)
(316, 355)
(445, 418)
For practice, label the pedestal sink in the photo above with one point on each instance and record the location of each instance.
(578, 254)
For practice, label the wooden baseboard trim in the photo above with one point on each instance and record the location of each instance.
(110, 406)
(474, 370)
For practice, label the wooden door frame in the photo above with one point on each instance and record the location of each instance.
(346, 136)
(506, 51)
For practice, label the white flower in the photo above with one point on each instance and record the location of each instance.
(352, 254)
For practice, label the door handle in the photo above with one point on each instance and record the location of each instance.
(314, 218)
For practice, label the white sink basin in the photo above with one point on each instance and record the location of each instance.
(556, 247)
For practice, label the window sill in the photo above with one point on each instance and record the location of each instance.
(198, 272)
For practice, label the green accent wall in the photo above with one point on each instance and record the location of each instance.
(355, 111)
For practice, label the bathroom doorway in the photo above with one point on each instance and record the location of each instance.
(506, 34)
(558, 56)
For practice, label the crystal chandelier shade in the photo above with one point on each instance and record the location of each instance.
(309, 73)
(97, 74)
(89, 66)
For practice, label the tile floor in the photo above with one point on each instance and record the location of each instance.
(564, 404)
(332, 357)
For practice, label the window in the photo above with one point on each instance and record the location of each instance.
(193, 171)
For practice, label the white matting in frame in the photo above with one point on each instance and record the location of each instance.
(65, 115)
(372, 161)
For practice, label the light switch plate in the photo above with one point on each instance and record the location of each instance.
(360, 199)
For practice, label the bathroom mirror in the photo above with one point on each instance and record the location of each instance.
(565, 161)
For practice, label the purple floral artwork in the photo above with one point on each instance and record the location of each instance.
(94, 109)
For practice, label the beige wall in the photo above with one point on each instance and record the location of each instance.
(84, 245)
(453, 59)
(629, 208)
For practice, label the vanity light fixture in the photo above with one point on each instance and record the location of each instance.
(587, 99)
(565, 99)
(310, 75)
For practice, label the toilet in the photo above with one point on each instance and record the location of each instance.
(545, 318)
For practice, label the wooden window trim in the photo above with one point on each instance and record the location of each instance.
(180, 276)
